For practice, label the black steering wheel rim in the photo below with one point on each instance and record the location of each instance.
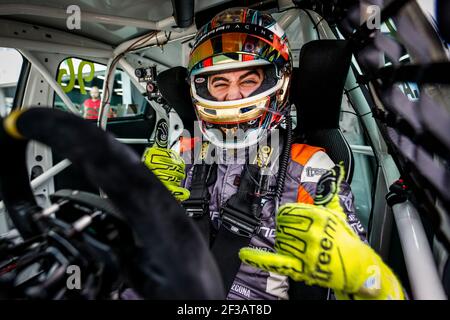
(175, 262)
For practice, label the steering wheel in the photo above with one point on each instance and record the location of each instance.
(140, 235)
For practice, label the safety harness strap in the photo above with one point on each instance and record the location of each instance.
(240, 221)
(197, 206)
(240, 216)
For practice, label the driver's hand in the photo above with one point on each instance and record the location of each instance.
(169, 167)
(315, 244)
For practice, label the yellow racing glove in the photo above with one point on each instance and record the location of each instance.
(169, 167)
(315, 244)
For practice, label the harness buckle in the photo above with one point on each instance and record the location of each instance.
(239, 223)
(196, 208)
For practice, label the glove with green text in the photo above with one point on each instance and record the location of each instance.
(315, 244)
(169, 167)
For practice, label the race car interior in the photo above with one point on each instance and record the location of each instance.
(74, 191)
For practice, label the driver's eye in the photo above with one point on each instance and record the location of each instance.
(220, 85)
(250, 81)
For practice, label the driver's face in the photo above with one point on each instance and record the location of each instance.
(235, 85)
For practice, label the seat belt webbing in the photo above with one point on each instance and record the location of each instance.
(240, 221)
(240, 217)
(197, 206)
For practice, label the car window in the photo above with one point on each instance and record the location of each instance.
(82, 81)
(11, 62)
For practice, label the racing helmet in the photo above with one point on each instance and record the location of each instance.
(239, 39)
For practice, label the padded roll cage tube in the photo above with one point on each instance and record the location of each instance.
(173, 260)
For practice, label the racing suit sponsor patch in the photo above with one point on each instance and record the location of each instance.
(311, 172)
(241, 290)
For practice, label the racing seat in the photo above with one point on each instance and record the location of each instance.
(174, 87)
(316, 89)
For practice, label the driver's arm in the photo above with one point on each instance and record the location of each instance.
(315, 244)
